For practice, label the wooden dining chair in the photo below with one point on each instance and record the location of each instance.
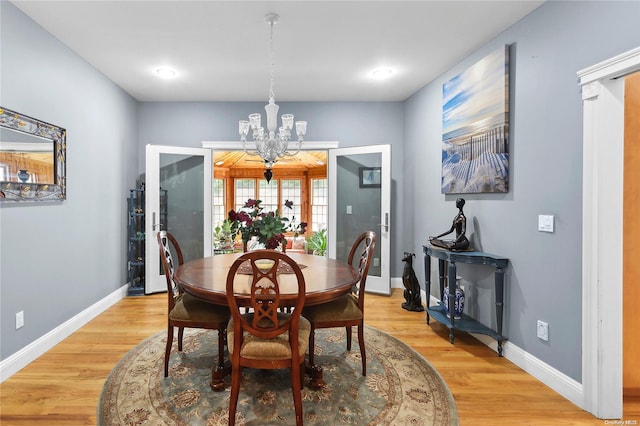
(348, 310)
(184, 310)
(266, 338)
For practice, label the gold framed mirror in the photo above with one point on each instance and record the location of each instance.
(32, 159)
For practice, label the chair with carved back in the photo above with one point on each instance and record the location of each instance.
(184, 310)
(266, 338)
(348, 310)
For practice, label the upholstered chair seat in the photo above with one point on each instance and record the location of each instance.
(191, 309)
(344, 308)
(275, 348)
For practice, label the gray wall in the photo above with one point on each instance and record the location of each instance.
(57, 259)
(548, 47)
(350, 123)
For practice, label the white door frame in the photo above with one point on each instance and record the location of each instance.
(602, 198)
(154, 282)
(381, 284)
(237, 145)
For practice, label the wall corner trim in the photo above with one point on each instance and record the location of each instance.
(16, 362)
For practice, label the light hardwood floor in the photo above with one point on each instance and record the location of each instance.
(63, 386)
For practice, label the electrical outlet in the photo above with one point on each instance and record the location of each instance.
(376, 261)
(543, 330)
(19, 320)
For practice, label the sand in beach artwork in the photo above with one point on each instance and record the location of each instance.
(475, 127)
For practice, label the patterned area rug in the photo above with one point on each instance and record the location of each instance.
(400, 388)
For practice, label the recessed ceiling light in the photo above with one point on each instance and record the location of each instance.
(219, 163)
(165, 72)
(382, 73)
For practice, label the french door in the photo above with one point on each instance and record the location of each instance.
(178, 200)
(360, 200)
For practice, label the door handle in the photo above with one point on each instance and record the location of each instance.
(154, 225)
(386, 222)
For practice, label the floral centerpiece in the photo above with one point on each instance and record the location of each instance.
(268, 227)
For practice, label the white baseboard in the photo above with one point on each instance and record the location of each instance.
(556, 380)
(26, 355)
(551, 377)
(397, 282)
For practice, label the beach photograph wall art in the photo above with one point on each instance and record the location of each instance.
(475, 127)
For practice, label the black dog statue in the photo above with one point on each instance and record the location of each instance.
(411, 285)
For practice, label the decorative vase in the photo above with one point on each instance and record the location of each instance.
(253, 244)
(23, 175)
(458, 306)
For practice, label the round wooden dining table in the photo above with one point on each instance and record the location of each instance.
(325, 280)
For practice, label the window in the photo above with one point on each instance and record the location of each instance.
(292, 191)
(268, 194)
(245, 189)
(272, 194)
(218, 213)
(319, 209)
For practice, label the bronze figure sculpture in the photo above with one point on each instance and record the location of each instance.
(411, 285)
(460, 226)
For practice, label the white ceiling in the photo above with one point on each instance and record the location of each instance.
(324, 50)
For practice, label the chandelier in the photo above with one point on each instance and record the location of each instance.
(271, 145)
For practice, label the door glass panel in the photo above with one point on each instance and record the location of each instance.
(181, 176)
(359, 196)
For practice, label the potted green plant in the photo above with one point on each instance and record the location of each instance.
(224, 235)
(317, 242)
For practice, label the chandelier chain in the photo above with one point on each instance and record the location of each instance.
(271, 55)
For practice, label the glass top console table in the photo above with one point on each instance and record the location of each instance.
(465, 323)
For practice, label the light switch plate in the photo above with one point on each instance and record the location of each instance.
(545, 223)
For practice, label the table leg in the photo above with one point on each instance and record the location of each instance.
(218, 374)
(499, 282)
(441, 264)
(427, 281)
(315, 372)
(451, 282)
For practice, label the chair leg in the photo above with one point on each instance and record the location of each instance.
(236, 375)
(363, 353)
(180, 333)
(348, 338)
(297, 391)
(167, 351)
